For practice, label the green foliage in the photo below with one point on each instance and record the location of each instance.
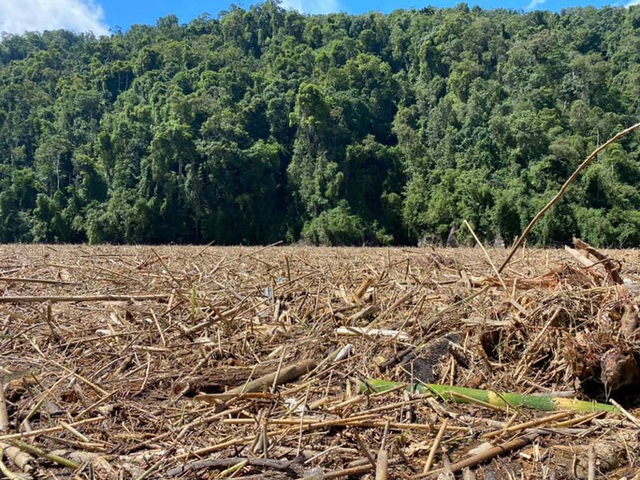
(266, 124)
(335, 227)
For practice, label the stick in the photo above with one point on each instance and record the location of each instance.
(529, 424)
(34, 280)
(434, 447)
(624, 412)
(368, 422)
(363, 448)
(44, 431)
(82, 298)
(382, 465)
(194, 466)
(373, 332)
(4, 413)
(591, 475)
(563, 189)
(489, 454)
(286, 375)
(609, 265)
(347, 472)
(283, 376)
(27, 447)
(484, 250)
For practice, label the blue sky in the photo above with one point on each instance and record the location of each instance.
(102, 16)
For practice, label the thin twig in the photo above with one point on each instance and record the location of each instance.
(486, 254)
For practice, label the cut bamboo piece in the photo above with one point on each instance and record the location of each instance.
(515, 400)
(373, 332)
(285, 375)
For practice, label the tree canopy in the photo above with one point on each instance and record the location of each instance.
(265, 124)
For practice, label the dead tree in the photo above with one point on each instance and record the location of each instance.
(452, 239)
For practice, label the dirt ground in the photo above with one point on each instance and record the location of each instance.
(266, 362)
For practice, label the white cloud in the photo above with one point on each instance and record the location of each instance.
(312, 6)
(534, 4)
(19, 16)
(633, 2)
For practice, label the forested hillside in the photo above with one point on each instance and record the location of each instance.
(265, 124)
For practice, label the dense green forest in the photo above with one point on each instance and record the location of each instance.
(265, 124)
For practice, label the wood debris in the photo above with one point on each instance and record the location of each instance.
(193, 363)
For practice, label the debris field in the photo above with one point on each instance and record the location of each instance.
(292, 362)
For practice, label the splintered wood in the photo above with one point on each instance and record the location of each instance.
(297, 362)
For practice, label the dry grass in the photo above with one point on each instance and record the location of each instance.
(135, 362)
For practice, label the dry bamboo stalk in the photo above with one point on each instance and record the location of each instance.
(49, 319)
(226, 353)
(591, 475)
(488, 455)
(625, 412)
(613, 270)
(166, 269)
(435, 446)
(35, 280)
(80, 298)
(228, 462)
(562, 190)
(152, 469)
(19, 458)
(362, 289)
(364, 449)
(5, 470)
(359, 421)
(216, 318)
(4, 414)
(249, 439)
(578, 420)
(121, 275)
(75, 432)
(382, 465)
(533, 423)
(224, 445)
(22, 460)
(27, 447)
(286, 375)
(44, 431)
(83, 379)
(95, 404)
(81, 446)
(366, 312)
(307, 421)
(406, 297)
(225, 397)
(43, 398)
(595, 268)
(486, 254)
(347, 472)
(186, 429)
(373, 332)
(229, 472)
